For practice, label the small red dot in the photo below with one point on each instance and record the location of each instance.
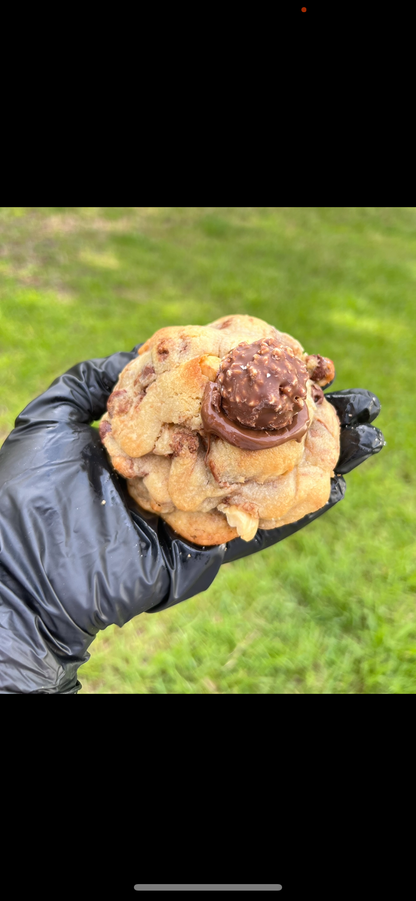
(304, 9)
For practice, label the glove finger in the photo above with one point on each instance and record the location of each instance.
(79, 395)
(354, 405)
(358, 444)
(263, 538)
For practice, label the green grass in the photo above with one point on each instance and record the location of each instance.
(331, 609)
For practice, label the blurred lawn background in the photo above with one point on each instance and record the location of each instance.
(331, 609)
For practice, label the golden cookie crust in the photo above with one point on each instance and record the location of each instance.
(210, 491)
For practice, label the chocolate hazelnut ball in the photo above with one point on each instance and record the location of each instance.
(262, 385)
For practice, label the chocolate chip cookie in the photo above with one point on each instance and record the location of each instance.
(224, 429)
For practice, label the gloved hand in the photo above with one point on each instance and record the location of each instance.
(75, 552)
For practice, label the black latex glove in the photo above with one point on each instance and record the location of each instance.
(71, 565)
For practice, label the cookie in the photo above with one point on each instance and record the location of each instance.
(223, 429)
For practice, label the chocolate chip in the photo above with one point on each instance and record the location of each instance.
(118, 403)
(104, 429)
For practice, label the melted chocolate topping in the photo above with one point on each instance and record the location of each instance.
(217, 423)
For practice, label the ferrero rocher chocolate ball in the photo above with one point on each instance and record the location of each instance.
(262, 385)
